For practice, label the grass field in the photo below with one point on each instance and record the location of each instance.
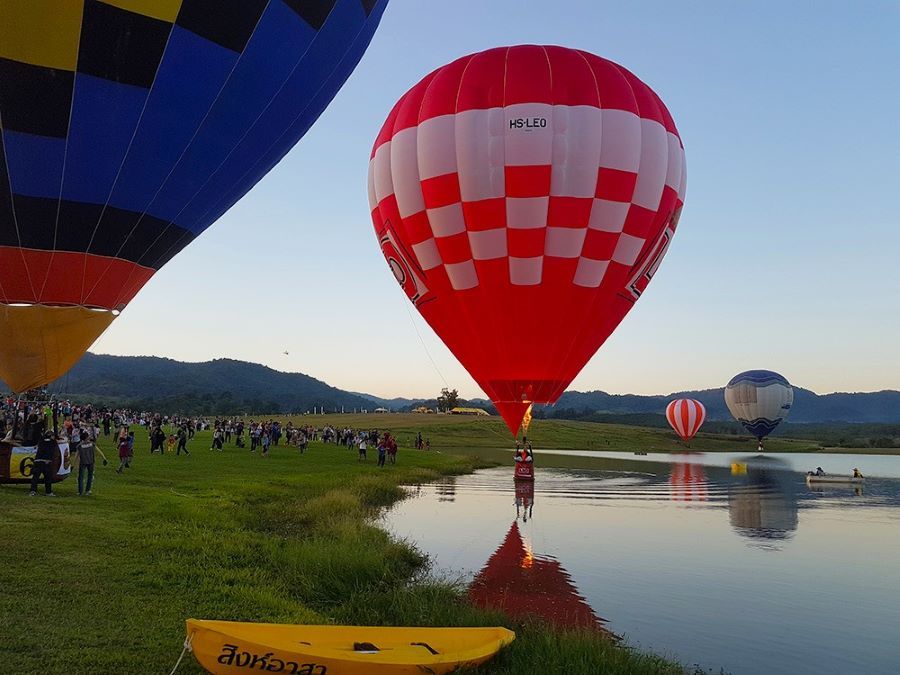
(103, 584)
(448, 432)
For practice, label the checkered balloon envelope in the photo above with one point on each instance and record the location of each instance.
(524, 198)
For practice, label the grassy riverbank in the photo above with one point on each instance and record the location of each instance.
(448, 432)
(104, 583)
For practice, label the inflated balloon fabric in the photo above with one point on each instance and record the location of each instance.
(524, 198)
(130, 126)
(760, 400)
(686, 416)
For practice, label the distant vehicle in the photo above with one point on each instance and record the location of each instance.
(469, 411)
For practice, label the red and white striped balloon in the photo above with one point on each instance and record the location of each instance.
(686, 416)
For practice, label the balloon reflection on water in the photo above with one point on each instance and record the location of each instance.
(446, 490)
(524, 584)
(688, 482)
(762, 501)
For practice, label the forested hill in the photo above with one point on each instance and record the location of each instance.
(220, 386)
(234, 387)
(872, 407)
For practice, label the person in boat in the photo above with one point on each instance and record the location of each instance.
(857, 473)
(819, 471)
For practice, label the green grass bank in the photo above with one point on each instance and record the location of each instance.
(103, 584)
(452, 432)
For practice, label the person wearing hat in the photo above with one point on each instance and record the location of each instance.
(857, 473)
(47, 449)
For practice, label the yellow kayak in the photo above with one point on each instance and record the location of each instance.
(235, 647)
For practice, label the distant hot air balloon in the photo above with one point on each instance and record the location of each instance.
(759, 399)
(128, 128)
(524, 197)
(686, 416)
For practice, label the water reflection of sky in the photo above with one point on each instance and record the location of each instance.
(740, 567)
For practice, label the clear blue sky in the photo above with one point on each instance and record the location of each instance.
(785, 257)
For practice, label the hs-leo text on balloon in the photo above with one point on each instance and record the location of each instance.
(528, 123)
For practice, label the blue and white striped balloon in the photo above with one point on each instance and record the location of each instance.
(760, 400)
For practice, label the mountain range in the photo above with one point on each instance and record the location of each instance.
(808, 407)
(228, 386)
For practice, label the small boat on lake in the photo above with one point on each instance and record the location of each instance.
(235, 647)
(847, 480)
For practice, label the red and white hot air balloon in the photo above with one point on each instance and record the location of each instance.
(686, 416)
(524, 197)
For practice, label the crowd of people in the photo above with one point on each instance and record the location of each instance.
(42, 422)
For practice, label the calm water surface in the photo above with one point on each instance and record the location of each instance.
(739, 567)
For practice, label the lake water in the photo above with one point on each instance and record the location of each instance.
(723, 561)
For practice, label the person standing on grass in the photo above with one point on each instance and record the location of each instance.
(43, 464)
(182, 441)
(156, 438)
(86, 455)
(265, 444)
(390, 444)
(362, 448)
(130, 440)
(382, 451)
(123, 454)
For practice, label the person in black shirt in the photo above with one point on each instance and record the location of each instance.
(47, 449)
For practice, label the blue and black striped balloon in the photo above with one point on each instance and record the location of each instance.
(130, 126)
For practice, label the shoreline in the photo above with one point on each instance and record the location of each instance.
(227, 535)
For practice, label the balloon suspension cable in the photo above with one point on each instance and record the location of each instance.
(185, 650)
(425, 347)
(500, 434)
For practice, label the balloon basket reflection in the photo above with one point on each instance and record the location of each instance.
(524, 499)
(524, 585)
